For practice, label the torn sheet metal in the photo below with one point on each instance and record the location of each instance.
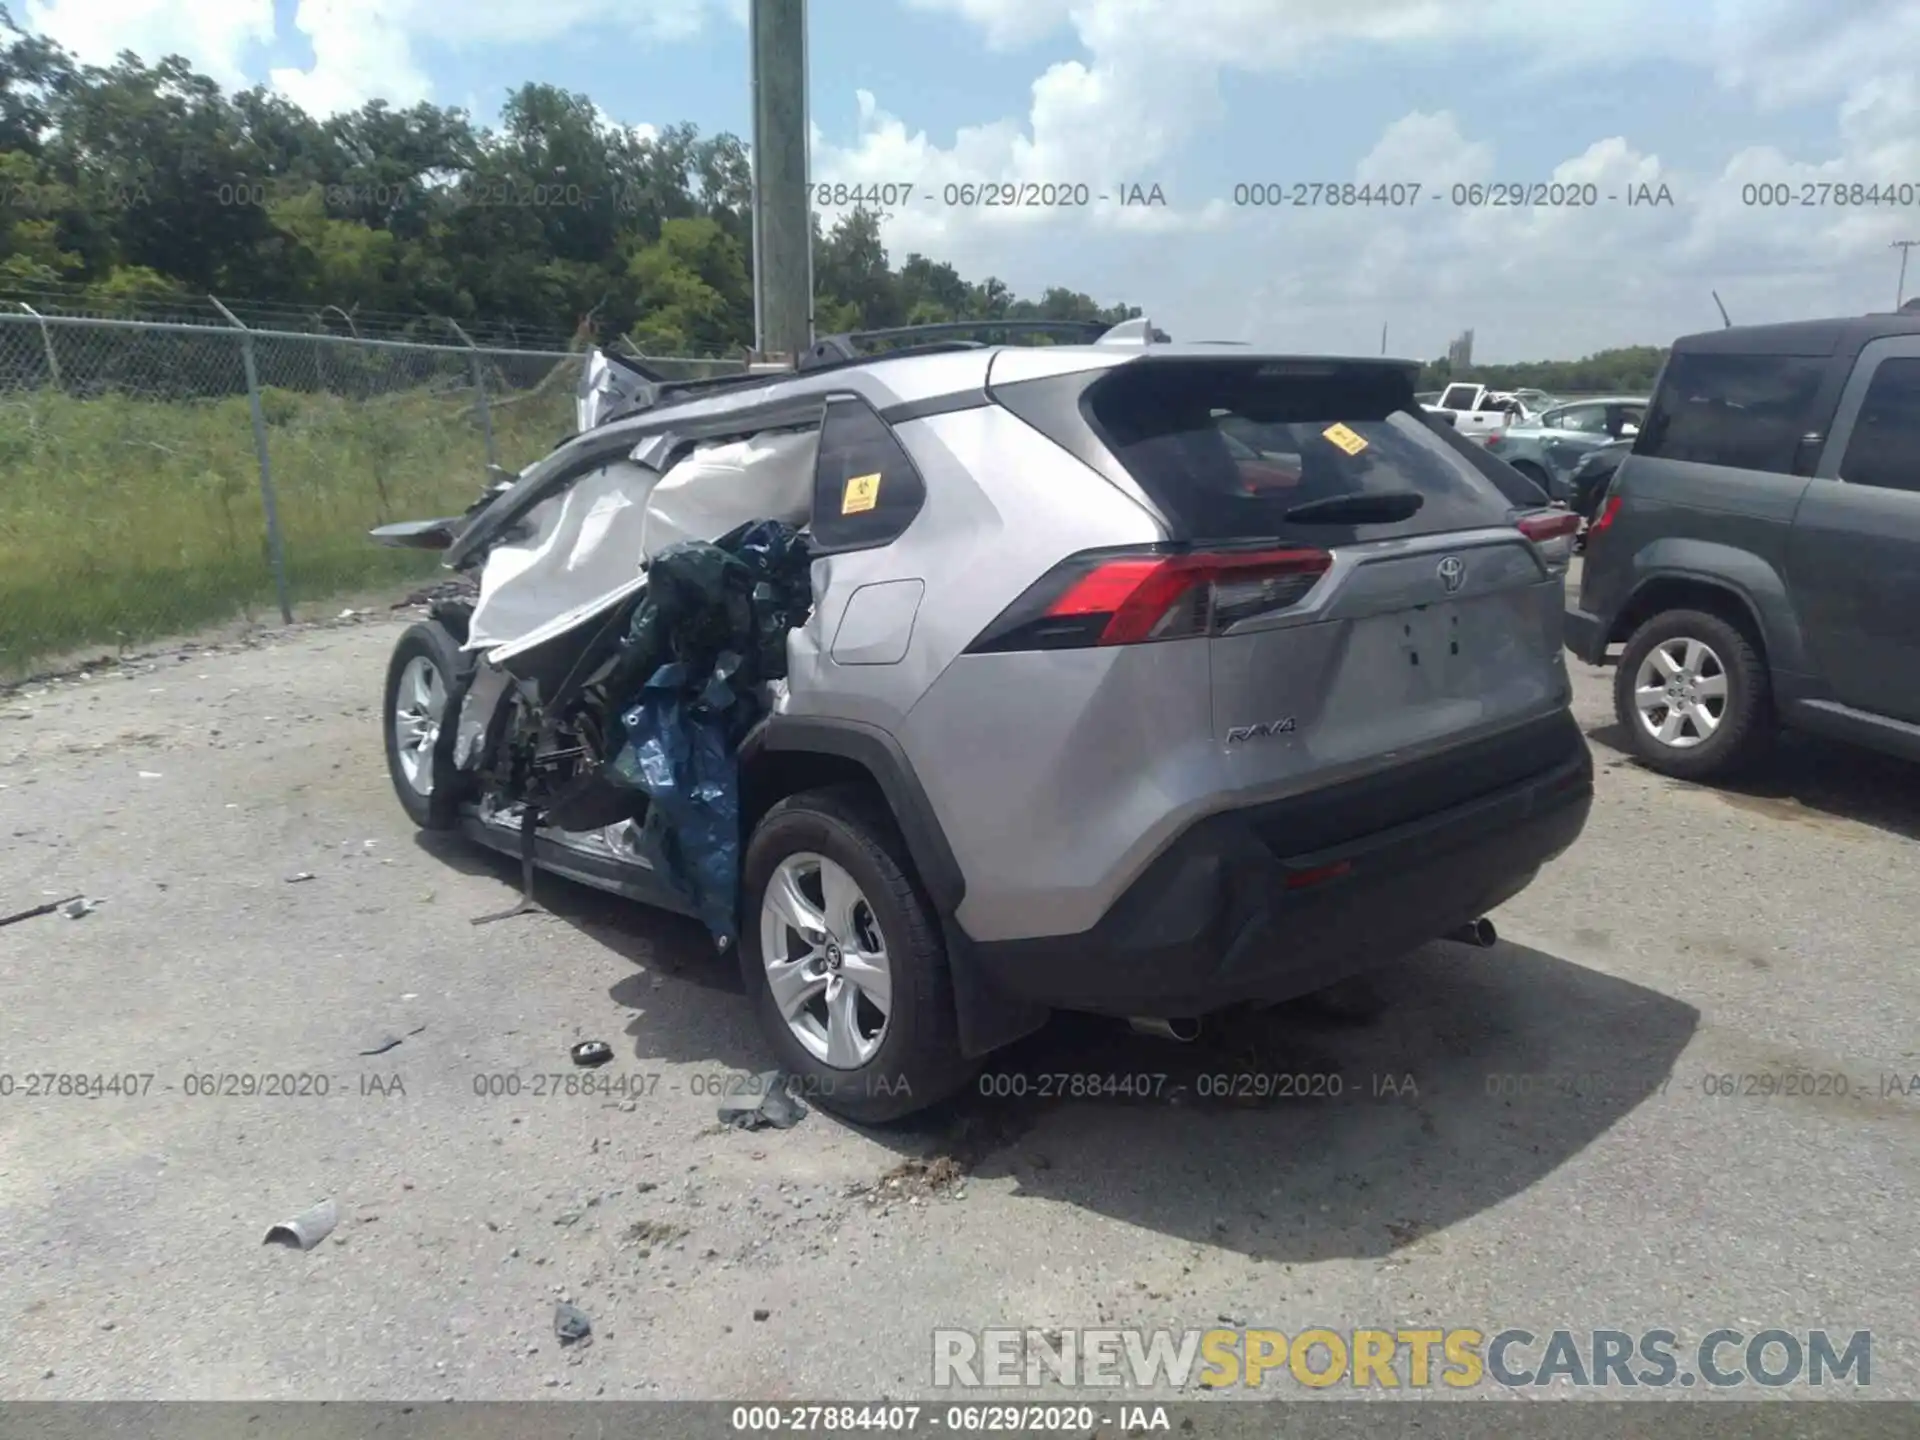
(608, 389)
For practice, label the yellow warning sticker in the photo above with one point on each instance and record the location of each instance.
(1346, 439)
(862, 494)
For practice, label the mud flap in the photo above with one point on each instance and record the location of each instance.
(988, 1018)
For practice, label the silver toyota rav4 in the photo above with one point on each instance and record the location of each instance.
(1139, 678)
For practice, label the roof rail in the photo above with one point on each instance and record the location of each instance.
(849, 348)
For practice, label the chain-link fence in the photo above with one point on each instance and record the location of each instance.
(158, 478)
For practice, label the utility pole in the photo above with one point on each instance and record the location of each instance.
(1383, 338)
(1900, 290)
(782, 212)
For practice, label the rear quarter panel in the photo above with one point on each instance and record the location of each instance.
(1003, 506)
(1683, 520)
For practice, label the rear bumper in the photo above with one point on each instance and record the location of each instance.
(1586, 635)
(1230, 914)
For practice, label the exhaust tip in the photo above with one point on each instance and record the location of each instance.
(1182, 1029)
(1479, 933)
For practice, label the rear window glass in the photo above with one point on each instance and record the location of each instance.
(1746, 411)
(1226, 451)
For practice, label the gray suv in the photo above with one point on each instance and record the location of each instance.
(1139, 678)
(1758, 551)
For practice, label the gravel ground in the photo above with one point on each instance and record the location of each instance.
(1692, 934)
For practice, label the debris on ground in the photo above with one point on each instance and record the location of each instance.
(79, 907)
(764, 1102)
(592, 1052)
(307, 1229)
(654, 1232)
(298, 876)
(763, 1314)
(571, 1324)
(46, 909)
(917, 1180)
(391, 1041)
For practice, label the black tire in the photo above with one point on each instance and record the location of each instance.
(919, 1061)
(1746, 724)
(439, 809)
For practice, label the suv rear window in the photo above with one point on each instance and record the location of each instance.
(1746, 411)
(1226, 450)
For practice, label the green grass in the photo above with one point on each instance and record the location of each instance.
(124, 520)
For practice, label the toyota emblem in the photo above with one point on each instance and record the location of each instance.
(1453, 573)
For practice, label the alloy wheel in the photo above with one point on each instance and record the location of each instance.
(418, 704)
(826, 960)
(1680, 692)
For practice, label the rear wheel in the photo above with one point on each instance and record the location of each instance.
(419, 681)
(844, 962)
(1693, 695)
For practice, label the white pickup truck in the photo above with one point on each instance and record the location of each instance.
(1475, 411)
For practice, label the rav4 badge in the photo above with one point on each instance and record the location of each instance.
(1240, 733)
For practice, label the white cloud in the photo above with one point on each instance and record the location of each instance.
(360, 52)
(642, 131)
(1530, 280)
(214, 34)
(362, 49)
(1006, 24)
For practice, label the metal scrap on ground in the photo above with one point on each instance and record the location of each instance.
(763, 1102)
(307, 1229)
(46, 909)
(571, 1324)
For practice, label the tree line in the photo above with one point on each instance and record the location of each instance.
(1630, 370)
(130, 183)
(133, 183)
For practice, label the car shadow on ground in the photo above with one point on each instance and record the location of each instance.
(1807, 779)
(1282, 1134)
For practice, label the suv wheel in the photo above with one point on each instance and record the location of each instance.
(1692, 695)
(419, 680)
(844, 960)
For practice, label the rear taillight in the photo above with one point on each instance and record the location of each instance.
(1134, 596)
(1605, 518)
(1550, 525)
(1492, 440)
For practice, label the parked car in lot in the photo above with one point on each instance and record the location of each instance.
(1547, 448)
(1476, 411)
(1758, 552)
(1129, 678)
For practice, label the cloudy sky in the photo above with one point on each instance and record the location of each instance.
(1708, 98)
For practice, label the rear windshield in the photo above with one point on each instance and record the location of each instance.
(1227, 450)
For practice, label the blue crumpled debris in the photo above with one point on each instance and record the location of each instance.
(712, 630)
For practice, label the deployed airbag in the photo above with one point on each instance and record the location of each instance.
(719, 488)
(584, 548)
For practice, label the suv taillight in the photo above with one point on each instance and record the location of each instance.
(1549, 525)
(1604, 518)
(1129, 597)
